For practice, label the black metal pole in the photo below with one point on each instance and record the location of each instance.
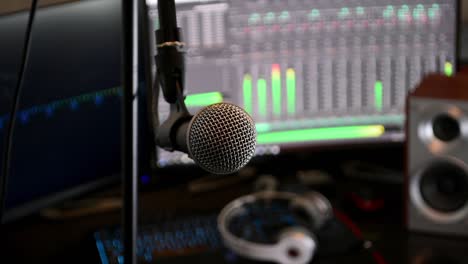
(129, 128)
(168, 20)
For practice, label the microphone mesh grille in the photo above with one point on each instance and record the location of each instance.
(222, 138)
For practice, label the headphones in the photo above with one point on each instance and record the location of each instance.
(274, 226)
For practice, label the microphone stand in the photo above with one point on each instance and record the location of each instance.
(170, 72)
(129, 128)
(170, 65)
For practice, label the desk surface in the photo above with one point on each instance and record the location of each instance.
(39, 240)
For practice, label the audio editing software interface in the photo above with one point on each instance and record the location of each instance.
(313, 72)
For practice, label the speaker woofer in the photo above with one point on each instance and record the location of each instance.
(444, 186)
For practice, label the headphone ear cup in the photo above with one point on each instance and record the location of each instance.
(296, 246)
(316, 207)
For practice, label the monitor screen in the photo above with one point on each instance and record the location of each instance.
(67, 137)
(313, 73)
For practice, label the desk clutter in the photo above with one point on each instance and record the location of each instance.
(190, 238)
(297, 225)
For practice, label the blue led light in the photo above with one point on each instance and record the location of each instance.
(24, 117)
(49, 111)
(98, 100)
(1, 122)
(145, 179)
(74, 105)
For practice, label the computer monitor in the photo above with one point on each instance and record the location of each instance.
(313, 73)
(67, 138)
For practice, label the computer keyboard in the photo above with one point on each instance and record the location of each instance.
(171, 237)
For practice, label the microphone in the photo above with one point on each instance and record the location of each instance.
(220, 138)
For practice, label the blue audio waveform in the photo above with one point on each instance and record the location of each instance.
(73, 103)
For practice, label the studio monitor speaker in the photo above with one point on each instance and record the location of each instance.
(437, 156)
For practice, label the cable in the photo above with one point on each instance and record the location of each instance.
(14, 110)
(354, 228)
